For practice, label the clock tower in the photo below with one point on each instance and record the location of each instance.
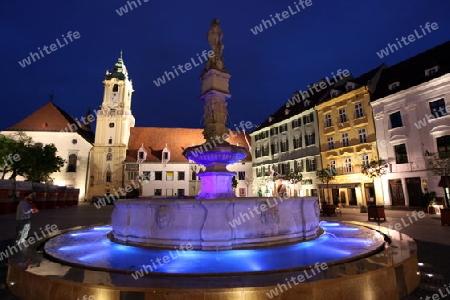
(112, 132)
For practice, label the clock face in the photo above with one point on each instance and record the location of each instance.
(114, 96)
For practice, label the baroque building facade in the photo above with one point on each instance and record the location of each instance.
(348, 140)
(411, 107)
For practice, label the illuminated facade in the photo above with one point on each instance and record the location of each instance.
(348, 140)
(411, 107)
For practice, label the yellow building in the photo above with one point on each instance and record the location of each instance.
(348, 140)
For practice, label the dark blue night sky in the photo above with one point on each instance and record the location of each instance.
(156, 35)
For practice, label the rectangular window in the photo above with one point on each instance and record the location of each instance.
(284, 146)
(257, 152)
(359, 112)
(194, 175)
(297, 142)
(158, 192)
(295, 123)
(443, 145)
(310, 164)
(169, 175)
(310, 139)
(258, 172)
(241, 175)
(396, 120)
(362, 135)
(330, 141)
(265, 150)
(365, 160)
(133, 175)
(108, 177)
(274, 147)
(180, 192)
(437, 108)
(158, 175)
(345, 140)
(328, 122)
(308, 118)
(146, 176)
(180, 175)
(401, 156)
(342, 115)
(348, 165)
(333, 164)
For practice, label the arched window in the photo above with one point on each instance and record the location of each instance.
(115, 88)
(109, 156)
(72, 166)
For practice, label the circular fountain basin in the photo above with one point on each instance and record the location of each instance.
(94, 266)
(90, 248)
(222, 224)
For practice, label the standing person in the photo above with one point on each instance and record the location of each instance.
(23, 217)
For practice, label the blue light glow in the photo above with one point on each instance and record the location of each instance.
(91, 247)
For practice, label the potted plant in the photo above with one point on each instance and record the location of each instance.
(440, 165)
(375, 170)
(427, 201)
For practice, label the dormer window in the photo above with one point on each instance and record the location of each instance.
(142, 154)
(334, 93)
(432, 71)
(394, 85)
(286, 111)
(350, 86)
(270, 119)
(165, 155)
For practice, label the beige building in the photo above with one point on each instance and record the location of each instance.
(348, 140)
(112, 133)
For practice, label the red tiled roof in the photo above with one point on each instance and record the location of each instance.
(50, 117)
(177, 139)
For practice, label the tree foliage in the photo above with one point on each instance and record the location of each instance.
(376, 168)
(440, 165)
(22, 157)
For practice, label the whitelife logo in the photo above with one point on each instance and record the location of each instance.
(411, 38)
(53, 47)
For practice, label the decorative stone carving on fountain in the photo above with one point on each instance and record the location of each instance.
(163, 216)
(216, 179)
(214, 37)
(214, 224)
(216, 220)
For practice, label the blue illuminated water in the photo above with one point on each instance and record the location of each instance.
(91, 248)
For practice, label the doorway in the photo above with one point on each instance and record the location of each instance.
(395, 186)
(414, 188)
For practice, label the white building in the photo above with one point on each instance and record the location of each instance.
(288, 141)
(411, 107)
(155, 162)
(73, 139)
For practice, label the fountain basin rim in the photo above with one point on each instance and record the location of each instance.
(379, 249)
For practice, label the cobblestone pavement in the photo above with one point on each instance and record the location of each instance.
(433, 240)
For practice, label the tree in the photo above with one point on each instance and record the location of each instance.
(376, 169)
(440, 165)
(35, 162)
(326, 175)
(42, 163)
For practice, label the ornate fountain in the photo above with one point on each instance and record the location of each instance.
(208, 222)
(83, 262)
